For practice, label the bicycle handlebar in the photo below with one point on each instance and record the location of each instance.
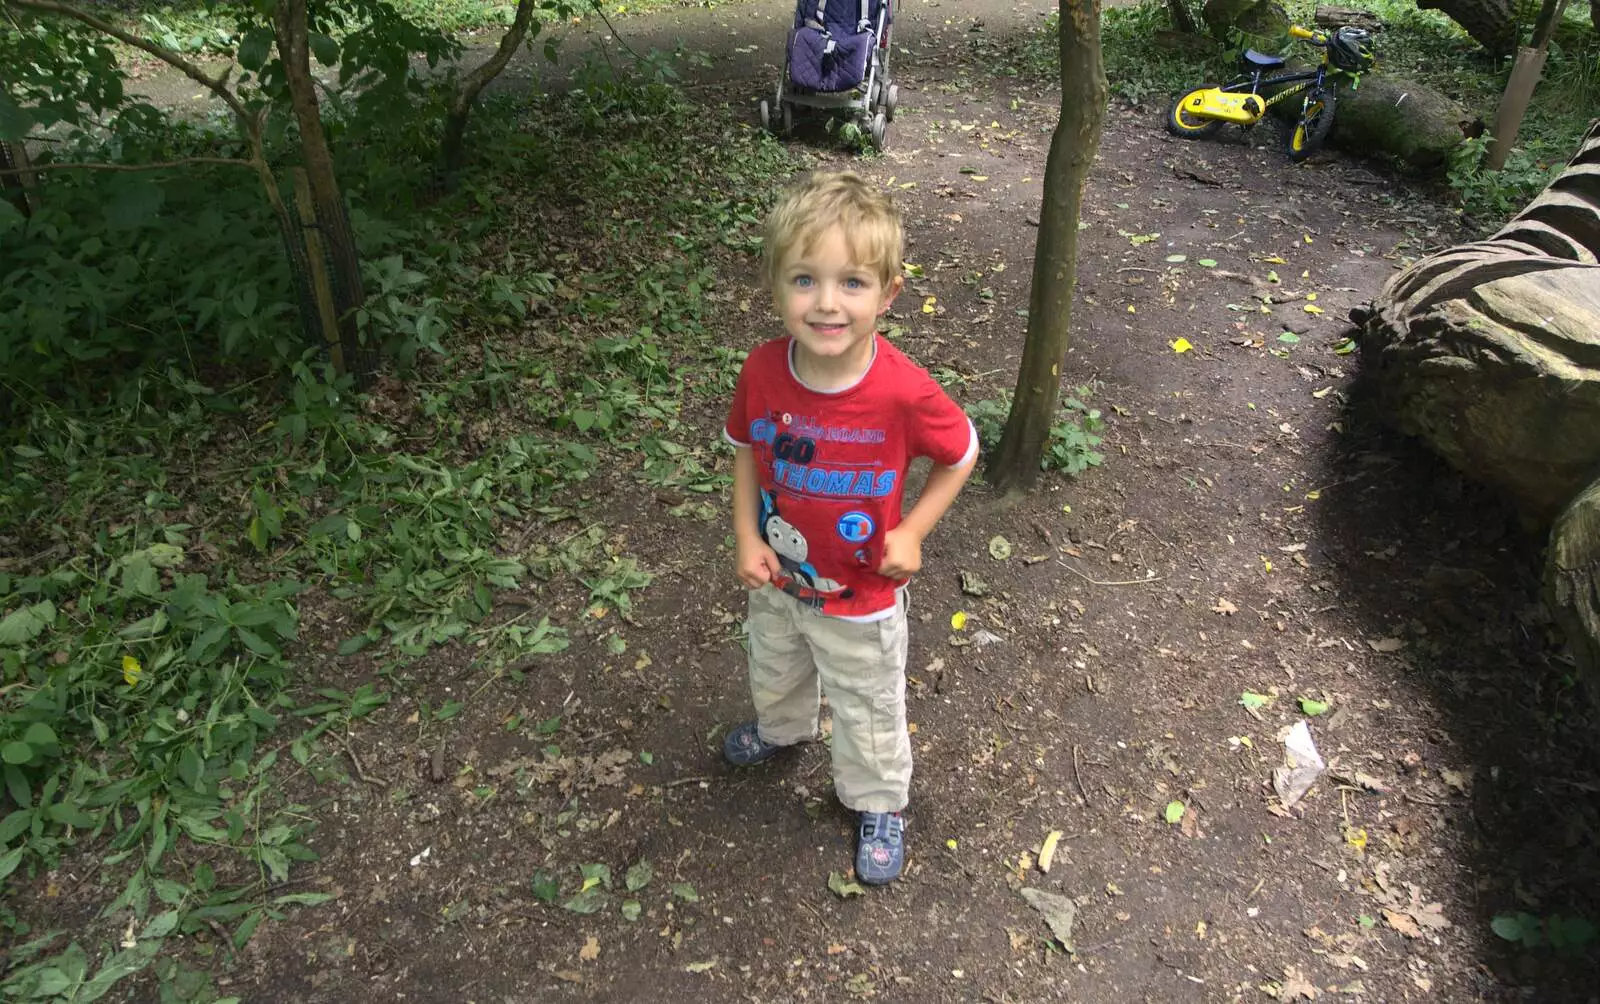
(1308, 35)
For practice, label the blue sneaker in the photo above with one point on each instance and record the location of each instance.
(880, 847)
(744, 746)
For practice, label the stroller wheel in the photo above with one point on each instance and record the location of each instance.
(880, 130)
(891, 97)
(872, 95)
(766, 116)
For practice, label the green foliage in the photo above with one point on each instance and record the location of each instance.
(1564, 935)
(165, 524)
(1074, 437)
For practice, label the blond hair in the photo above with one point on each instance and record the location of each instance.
(822, 200)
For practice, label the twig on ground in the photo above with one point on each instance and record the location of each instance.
(1077, 773)
(361, 770)
(1114, 582)
(680, 782)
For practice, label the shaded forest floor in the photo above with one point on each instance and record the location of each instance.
(1251, 531)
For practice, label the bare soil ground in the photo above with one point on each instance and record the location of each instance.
(1251, 530)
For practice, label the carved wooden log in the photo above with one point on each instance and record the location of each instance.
(1491, 352)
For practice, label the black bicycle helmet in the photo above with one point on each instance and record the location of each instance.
(1351, 49)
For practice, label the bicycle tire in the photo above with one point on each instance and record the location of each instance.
(1180, 123)
(1311, 130)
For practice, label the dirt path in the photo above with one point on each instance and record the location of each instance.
(1249, 532)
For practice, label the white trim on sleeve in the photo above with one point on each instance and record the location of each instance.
(972, 447)
(734, 442)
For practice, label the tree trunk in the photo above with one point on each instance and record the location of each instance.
(338, 242)
(1491, 23)
(1055, 266)
(1490, 351)
(452, 147)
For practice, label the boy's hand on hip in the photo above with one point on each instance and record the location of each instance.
(902, 554)
(757, 564)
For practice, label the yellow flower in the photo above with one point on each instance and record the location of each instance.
(958, 620)
(131, 670)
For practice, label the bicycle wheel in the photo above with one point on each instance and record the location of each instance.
(1316, 119)
(1181, 123)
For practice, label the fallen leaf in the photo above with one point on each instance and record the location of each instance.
(1176, 258)
(1058, 911)
(1047, 850)
(1313, 708)
(699, 967)
(1224, 607)
(590, 950)
(844, 887)
(1175, 810)
(1207, 262)
(927, 305)
(1387, 644)
(1403, 923)
(632, 909)
(568, 976)
(685, 892)
(1253, 701)
(972, 585)
(999, 548)
(638, 875)
(1181, 345)
(1455, 779)
(1296, 987)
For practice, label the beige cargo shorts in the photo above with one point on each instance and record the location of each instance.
(797, 654)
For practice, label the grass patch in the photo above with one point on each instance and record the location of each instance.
(176, 501)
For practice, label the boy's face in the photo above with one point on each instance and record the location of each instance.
(829, 303)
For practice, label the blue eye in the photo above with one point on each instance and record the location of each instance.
(802, 281)
(854, 284)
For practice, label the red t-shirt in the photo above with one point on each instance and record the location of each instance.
(832, 466)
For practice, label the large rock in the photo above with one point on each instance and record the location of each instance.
(1407, 120)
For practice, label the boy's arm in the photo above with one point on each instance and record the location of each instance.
(755, 562)
(902, 546)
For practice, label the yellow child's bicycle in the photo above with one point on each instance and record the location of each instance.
(1246, 99)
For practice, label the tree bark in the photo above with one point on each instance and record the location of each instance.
(452, 147)
(338, 242)
(1055, 268)
(1491, 23)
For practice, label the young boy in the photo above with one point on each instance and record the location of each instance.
(824, 423)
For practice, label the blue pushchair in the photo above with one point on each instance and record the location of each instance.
(837, 59)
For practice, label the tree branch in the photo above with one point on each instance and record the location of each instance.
(95, 166)
(217, 85)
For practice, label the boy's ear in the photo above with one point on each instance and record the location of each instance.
(895, 286)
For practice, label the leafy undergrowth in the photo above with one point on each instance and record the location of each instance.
(1145, 64)
(165, 527)
(215, 27)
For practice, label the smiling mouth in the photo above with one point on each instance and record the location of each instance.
(829, 329)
